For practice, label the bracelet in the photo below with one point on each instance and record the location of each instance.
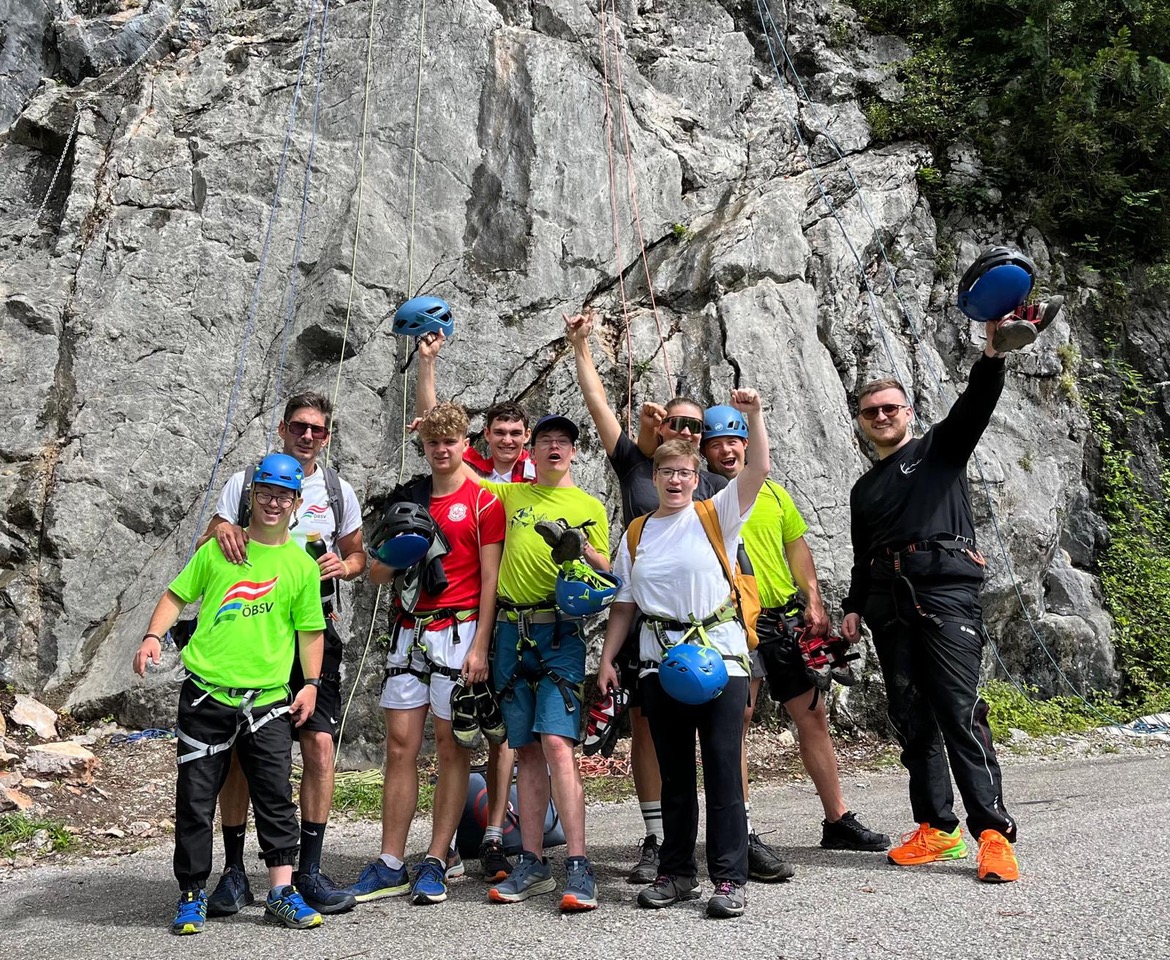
(152, 636)
(312, 682)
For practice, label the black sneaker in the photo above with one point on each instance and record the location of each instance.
(495, 863)
(321, 893)
(849, 833)
(231, 894)
(647, 868)
(667, 891)
(728, 900)
(764, 863)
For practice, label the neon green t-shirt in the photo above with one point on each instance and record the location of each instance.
(774, 522)
(246, 632)
(528, 573)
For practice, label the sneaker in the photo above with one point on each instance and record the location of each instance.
(728, 900)
(430, 884)
(230, 894)
(667, 891)
(322, 894)
(495, 863)
(378, 881)
(531, 876)
(926, 845)
(464, 717)
(647, 868)
(997, 858)
(455, 867)
(580, 886)
(765, 865)
(567, 543)
(849, 833)
(286, 906)
(191, 914)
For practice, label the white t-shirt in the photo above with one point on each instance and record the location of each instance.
(678, 576)
(316, 515)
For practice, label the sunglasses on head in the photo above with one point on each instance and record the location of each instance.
(298, 428)
(885, 409)
(679, 424)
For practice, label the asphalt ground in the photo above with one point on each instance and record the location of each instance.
(1094, 851)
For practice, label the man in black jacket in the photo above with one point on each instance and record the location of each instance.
(916, 579)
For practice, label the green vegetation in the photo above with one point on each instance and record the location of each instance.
(16, 828)
(1010, 708)
(1068, 105)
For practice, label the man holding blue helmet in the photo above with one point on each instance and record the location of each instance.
(672, 573)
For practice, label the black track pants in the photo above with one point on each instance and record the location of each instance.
(266, 759)
(719, 725)
(931, 670)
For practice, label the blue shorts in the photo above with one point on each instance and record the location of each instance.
(535, 704)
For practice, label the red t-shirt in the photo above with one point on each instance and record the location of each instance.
(469, 517)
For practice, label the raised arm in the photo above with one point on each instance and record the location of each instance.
(755, 472)
(424, 390)
(577, 330)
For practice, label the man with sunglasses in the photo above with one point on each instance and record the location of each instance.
(680, 419)
(304, 433)
(916, 579)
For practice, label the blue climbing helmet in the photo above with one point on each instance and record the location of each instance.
(421, 315)
(279, 470)
(997, 282)
(583, 591)
(723, 421)
(692, 673)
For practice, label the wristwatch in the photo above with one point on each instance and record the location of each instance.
(313, 682)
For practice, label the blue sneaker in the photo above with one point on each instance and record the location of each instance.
(430, 885)
(530, 876)
(192, 912)
(321, 893)
(378, 881)
(580, 887)
(231, 893)
(284, 905)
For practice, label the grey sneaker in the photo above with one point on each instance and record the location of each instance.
(667, 891)
(647, 867)
(530, 877)
(764, 863)
(567, 543)
(580, 885)
(728, 900)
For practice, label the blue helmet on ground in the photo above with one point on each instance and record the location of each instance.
(279, 470)
(421, 315)
(403, 535)
(723, 421)
(692, 673)
(584, 591)
(997, 282)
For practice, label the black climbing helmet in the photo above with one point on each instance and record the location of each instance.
(403, 535)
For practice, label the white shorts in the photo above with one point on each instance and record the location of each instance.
(406, 691)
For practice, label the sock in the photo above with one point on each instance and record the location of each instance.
(747, 812)
(312, 841)
(233, 845)
(392, 862)
(493, 833)
(652, 818)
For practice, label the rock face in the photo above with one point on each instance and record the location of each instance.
(124, 314)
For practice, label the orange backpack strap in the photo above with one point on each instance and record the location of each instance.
(634, 534)
(710, 519)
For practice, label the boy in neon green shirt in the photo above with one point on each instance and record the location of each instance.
(251, 622)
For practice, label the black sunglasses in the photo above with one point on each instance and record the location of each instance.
(679, 424)
(299, 428)
(886, 410)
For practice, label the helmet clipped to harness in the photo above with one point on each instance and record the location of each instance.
(582, 591)
(723, 421)
(997, 282)
(279, 470)
(402, 536)
(692, 673)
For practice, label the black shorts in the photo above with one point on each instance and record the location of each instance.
(783, 666)
(326, 717)
(629, 662)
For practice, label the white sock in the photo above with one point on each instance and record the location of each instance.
(392, 862)
(747, 812)
(652, 818)
(493, 833)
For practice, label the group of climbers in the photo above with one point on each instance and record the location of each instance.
(495, 564)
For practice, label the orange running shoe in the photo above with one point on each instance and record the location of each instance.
(926, 845)
(997, 859)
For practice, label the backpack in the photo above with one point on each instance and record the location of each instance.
(332, 490)
(744, 589)
(473, 822)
